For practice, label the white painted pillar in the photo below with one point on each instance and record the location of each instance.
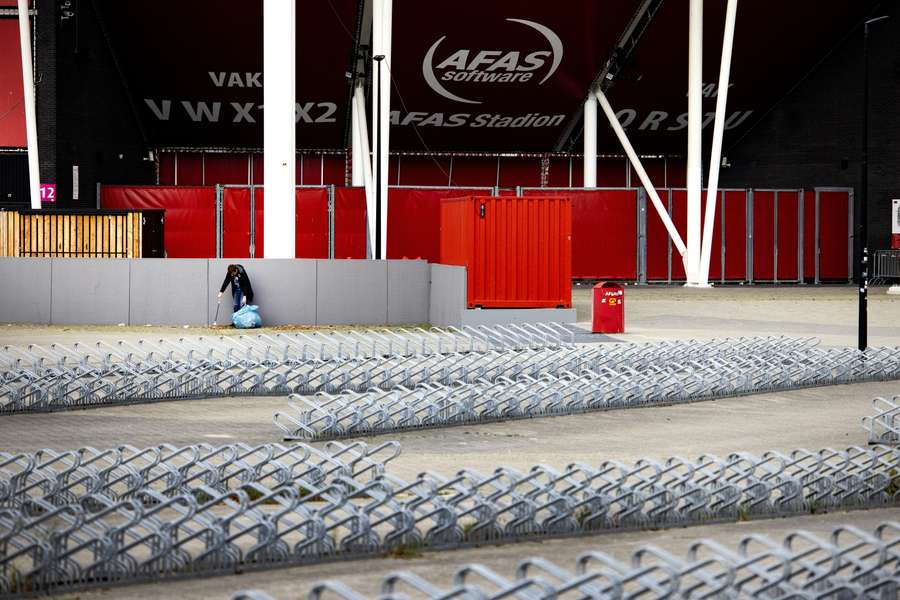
(279, 127)
(590, 142)
(34, 165)
(381, 107)
(695, 132)
(661, 210)
(356, 155)
(715, 157)
(359, 101)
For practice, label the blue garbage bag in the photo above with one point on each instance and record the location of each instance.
(247, 317)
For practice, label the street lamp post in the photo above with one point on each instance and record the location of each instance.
(863, 225)
(378, 60)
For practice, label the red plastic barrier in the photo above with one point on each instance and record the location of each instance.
(349, 223)
(715, 254)
(809, 235)
(657, 243)
(414, 221)
(834, 236)
(236, 222)
(735, 236)
(311, 226)
(679, 218)
(763, 236)
(604, 232)
(190, 219)
(788, 235)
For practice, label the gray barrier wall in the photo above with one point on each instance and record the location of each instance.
(71, 291)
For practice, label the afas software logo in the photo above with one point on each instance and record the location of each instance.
(458, 73)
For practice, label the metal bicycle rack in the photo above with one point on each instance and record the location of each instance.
(58, 377)
(884, 426)
(455, 389)
(91, 517)
(850, 563)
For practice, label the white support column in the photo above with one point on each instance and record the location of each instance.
(695, 132)
(356, 155)
(359, 102)
(34, 165)
(661, 210)
(279, 127)
(715, 156)
(382, 17)
(590, 142)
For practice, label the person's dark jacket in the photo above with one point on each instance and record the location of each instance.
(246, 288)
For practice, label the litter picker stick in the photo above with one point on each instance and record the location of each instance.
(218, 304)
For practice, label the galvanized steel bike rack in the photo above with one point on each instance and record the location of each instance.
(468, 389)
(884, 426)
(850, 563)
(57, 377)
(89, 517)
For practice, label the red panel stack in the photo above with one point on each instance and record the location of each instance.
(604, 232)
(414, 221)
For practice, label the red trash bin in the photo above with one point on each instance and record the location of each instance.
(609, 308)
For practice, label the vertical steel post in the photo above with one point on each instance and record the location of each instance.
(34, 165)
(331, 221)
(253, 222)
(590, 142)
(642, 235)
(695, 132)
(863, 225)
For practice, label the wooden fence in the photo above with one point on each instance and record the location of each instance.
(108, 234)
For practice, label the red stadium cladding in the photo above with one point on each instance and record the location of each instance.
(517, 251)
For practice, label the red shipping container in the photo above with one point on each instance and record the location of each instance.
(517, 251)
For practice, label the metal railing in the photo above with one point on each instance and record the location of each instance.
(88, 517)
(884, 426)
(57, 377)
(886, 267)
(850, 563)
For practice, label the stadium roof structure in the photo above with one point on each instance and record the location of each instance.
(499, 76)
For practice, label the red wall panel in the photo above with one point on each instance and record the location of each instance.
(414, 221)
(735, 236)
(525, 172)
(189, 168)
(236, 222)
(834, 236)
(809, 235)
(349, 222)
(167, 168)
(715, 255)
(190, 218)
(788, 235)
(763, 236)
(312, 223)
(424, 170)
(477, 171)
(335, 169)
(12, 107)
(559, 175)
(225, 169)
(604, 232)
